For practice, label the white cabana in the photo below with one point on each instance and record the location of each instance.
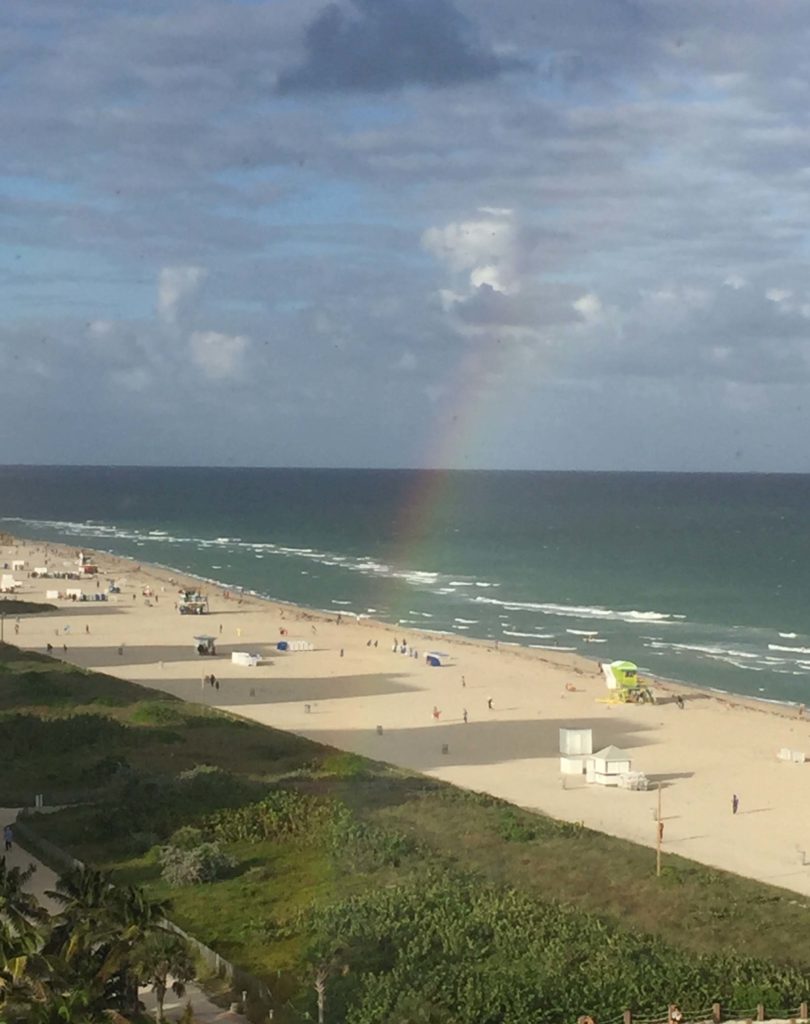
(51, 595)
(606, 765)
(17, 565)
(8, 584)
(575, 746)
(576, 741)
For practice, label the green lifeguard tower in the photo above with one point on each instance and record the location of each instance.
(621, 678)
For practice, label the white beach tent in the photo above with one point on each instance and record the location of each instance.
(606, 765)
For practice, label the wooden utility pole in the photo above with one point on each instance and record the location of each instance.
(659, 833)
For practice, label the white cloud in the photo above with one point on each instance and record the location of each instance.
(589, 308)
(735, 281)
(778, 295)
(486, 249)
(100, 329)
(176, 287)
(218, 355)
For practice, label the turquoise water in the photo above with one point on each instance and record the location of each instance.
(702, 578)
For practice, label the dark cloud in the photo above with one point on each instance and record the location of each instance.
(386, 45)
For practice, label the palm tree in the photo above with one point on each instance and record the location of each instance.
(98, 928)
(163, 955)
(19, 910)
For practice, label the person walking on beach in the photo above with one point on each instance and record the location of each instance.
(463, 683)
(464, 715)
(8, 836)
(735, 803)
(489, 703)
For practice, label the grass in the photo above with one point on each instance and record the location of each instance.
(693, 907)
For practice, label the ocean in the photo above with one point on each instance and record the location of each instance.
(696, 577)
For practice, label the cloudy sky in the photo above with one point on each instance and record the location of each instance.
(525, 233)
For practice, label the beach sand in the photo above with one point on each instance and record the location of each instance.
(701, 755)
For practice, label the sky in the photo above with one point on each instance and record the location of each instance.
(531, 234)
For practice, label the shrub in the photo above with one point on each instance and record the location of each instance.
(281, 814)
(21, 734)
(186, 838)
(194, 865)
(158, 712)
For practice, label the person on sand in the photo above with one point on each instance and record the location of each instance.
(463, 683)
(436, 713)
(464, 716)
(735, 803)
(679, 701)
(489, 703)
(8, 837)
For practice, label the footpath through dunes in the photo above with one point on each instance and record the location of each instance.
(368, 700)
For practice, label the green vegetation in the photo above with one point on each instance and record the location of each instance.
(75, 966)
(384, 895)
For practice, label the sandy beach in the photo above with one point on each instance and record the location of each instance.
(373, 701)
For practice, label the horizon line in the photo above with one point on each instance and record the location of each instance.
(405, 469)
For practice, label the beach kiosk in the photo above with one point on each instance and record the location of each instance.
(606, 766)
(205, 645)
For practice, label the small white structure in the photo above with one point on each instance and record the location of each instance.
(40, 570)
(576, 741)
(17, 565)
(575, 746)
(8, 584)
(245, 658)
(300, 645)
(606, 765)
(796, 756)
(73, 593)
(51, 595)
